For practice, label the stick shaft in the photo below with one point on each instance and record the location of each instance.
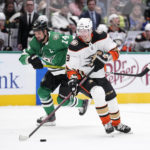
(81, 82)
(50, 114)
(146, 70)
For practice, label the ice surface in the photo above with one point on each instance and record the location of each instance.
(73, 132)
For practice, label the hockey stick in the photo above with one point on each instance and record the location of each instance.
(146, 70)
(54, 67)
(23, 137)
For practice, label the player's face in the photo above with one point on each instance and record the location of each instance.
(85, 34)
(148, 34)
(116, 21)
(39, 35)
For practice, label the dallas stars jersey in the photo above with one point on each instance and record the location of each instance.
(52, 53)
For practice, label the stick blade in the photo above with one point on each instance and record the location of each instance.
(23, 137)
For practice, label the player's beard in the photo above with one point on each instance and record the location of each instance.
(43, 39)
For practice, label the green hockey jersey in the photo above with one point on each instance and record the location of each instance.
(52, 53)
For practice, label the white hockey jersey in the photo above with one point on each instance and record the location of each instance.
(79, 53)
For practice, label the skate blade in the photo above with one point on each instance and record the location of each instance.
(47, 124)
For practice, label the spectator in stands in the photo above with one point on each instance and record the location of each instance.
(92, 14)
(101, 4)
(127, 9)
(3, 32)
(63, 21)
(117, 5)
(56, 5)
(18, 5)
(25, 24)
(123, 20)
(2, 5)
(9, 11)
(42, 7)
(98, 10)
(60, 20)
(142, 40)
(76, 7)
(116, 33)
(136, 18)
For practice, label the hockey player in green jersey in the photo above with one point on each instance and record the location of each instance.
(50, 48)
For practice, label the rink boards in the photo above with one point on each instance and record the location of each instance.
(19, 83)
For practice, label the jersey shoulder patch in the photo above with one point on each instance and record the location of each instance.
(77, 45)
(55, 35)
(74, 42)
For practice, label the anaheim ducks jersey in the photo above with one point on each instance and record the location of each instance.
(141, 43)
(118, 36)
(79, 53)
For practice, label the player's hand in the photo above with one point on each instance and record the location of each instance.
(98, 65)
(99, 60)
(73, 84)
(35, 62)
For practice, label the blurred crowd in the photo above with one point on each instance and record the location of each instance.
(126, 21)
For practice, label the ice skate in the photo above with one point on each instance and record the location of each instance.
(109, 128)
(49, 122)
(123, 128)
(83, 109)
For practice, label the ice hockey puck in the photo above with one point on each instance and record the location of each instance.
(42, 140)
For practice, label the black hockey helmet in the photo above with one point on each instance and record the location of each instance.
(40, 25)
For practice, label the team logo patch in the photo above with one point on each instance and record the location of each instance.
(74, 42)
(56, 37)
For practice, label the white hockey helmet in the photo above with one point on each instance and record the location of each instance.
(43, 18)
(102, 27)
(84, 23)
(147, 27)
(111, 17)
(2, 16)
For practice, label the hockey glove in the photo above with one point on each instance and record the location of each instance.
(73, 85)
(100, 59)
(35, 62)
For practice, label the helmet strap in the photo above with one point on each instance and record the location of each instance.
(45, 35)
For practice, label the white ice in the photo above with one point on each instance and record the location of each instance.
(73, 132)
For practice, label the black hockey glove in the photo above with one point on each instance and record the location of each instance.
(97, 65)
(73, 85)
(100, 59)
(35, 62)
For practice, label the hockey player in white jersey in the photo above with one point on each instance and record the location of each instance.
(89, 50)
(142, 40)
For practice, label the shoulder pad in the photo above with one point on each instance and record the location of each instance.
(98, 36)
(76, 45)
(55, 35)
(98, 32)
